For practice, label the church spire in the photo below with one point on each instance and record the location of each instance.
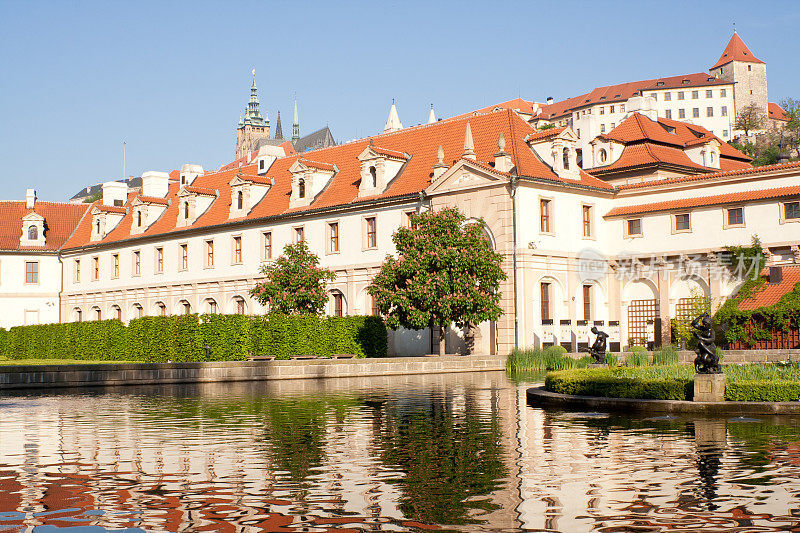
(278, 129)
(393, 122)
(295, 124)
(253, 115)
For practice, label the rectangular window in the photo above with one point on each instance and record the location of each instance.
(634, 226)
(667, 97)
(240, 306)
(791, 210)
(407, 218)
(209, 254)
(159, 260)
(612, 125)
(137, 263)
(544, 211)
(654, 95)
(545, 290)
(695, 95)
(709, 111)
(587, 221)
(31, 272)
(621, 108)
(696, 112)
(338, 304)
(587, 302)
(237, 250)
(267, 254)
(602, 110)
(736, 216)
(184, 257)
(681, 113)
(682, 222)
(372, 236)
(724, 111)
(115, 265)
(709, 94)
(722, 92)
(724, 133)
(212, 307)
(77, 271)
(680, 95)
(375, 311)
(95, 268)
(602, 128)
(668, 113)
(333, 235)
(611, 109)
(299, 235)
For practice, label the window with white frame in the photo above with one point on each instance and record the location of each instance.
(31, 272)
(633, 227)
(209, 258)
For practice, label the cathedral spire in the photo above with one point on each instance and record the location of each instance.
(393, 122)
(253, 115)
(278, 129)
(295, 124)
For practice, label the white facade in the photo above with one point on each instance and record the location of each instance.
(30, 285)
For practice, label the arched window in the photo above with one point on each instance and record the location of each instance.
(33, 233)
(138, 218)
(301, 188)
(97, 226)
(138, 310)
(713, 158)
(186, 210)
(566, 158)
(603, 155)
(117, 311)
(374, 174)
(239, 200)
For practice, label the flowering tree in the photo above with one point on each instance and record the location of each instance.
(295, 283)
(446, 272)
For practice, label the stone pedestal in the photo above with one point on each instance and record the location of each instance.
(709, 387)
(597, 365)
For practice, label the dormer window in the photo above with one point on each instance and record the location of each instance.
(374, 175)
(239, 200)
(97, 227)
(301, 188)
(33, 233)
(566, 158)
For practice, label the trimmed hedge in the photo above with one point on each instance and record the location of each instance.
(763, 391)
(607, 383)
(198, 338)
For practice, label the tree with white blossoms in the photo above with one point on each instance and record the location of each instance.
(445, 272)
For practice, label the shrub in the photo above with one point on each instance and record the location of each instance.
(666, 355)
(637, 358)
(551, 358)
(158, 339)
(763, 391)
(608, 383)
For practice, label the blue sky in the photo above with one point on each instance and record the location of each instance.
(171, 78)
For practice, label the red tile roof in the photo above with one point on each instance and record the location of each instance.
(702, 201)
(638, 127)
(390, 153)
(317, 164)
(60, 220)
(154, 199)
(776, 112)
(205, 191)
(544, 134)
(771, 293)
(420, 142)
(622, 91)
(111, 208)
(736, 51)
(723, 174)
(517, 104)
(650, 154)
(254, 178)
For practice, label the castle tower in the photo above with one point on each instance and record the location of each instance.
(253, 126)
(738, 65)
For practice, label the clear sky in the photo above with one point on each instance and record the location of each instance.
(171, 78)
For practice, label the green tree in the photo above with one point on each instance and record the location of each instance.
(749, 118)
(791, 130)
(295, 282)
(446, 272)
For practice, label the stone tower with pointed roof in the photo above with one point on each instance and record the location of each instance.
(738, 65)
(252, 127)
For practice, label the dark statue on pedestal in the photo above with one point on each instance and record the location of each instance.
(598, 349)
(706, 361)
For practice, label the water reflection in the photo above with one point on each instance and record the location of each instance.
(447, 452)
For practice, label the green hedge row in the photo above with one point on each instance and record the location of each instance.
(198, 338)
(602, 382)
(763, 391)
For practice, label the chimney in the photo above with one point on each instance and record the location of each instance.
(115, 193)
(30, 198)
(189, 172)
(549, 100)
(775, 275)
(155, 184)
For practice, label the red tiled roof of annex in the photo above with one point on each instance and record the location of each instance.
(736, 50)
(701, 177)
(704, 201)
(622, 91)
(771, 293)
(776, 112)
(60, 220)
(420, 142)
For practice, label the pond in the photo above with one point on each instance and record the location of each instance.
(459, 452)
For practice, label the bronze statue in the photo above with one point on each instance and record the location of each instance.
(706, 361)
(598, 349)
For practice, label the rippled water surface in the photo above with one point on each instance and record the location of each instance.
(436, 452)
